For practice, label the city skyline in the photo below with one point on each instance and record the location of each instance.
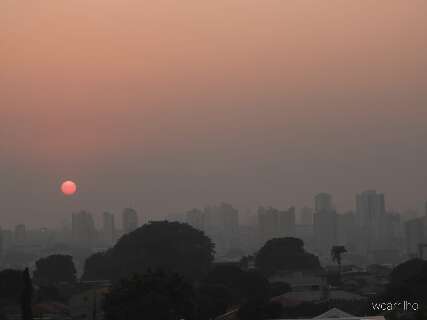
(246, 214)
(176, 105)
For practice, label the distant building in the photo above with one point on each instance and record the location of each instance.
(83, 229)
(370, 213)
(287, 222)
(323, 202)
(325, 223)
(268, 221)
(197, 219)
(129, 220)
(1, 243)
(306, 216)
(325, 231)
(20, 234)
(274, 223)
(176, 217)
(108, 228)
(415, 234)
(8, 238)
(221, 223)
(347, 230)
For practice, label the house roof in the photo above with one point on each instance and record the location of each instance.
(334, 313)
(337, 314)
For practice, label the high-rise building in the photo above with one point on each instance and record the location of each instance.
(8, 239)
(323, 202)
(325, 223)
(370, 214)
(415, 235)
(306, 216)
(221, 223)
(325, 230)
(347, 230)
(129, 220)
(20, 234)
(176, 217)
(108, 228)
(274, 223)
(197, 219)
(268, 221)
(287, 223)
(370, 206)
(83, 229)
(1, 243)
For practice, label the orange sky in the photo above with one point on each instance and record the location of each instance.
(197, 102)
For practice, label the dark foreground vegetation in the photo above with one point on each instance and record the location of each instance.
(165, 271)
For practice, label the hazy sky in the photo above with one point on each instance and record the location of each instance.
(169, 105)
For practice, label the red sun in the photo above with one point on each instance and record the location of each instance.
(68, 188)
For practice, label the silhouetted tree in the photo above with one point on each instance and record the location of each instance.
(50, 293)
(97, 267)
(243, 285)
(259, 309)
(409, 281)
(153, 295)
(170, 246)
(212, 301)
(278, 288)
(336, 255)
(11, 285)
(285, 254)
(252, 310)
(55, 269)
(26, 297)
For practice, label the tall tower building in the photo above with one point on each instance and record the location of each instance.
(268, 221)
(197, 219)
(108, 228)
(287, 222)
(306, 216)
(325, 230)
(370, 206)
(370, 215)
(222, 225)
(325, 223)
(83, 229)
(274, 223)
(129, 220)
(323, 202)
(20, 234)
(1, 243)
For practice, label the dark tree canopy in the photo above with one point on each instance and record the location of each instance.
(336, 253)
(170, 246)
(153, 295)
(55, 269)
(285, 254)
(243, 285)
(212, 300)
(405, 271)
(27, 296)
(98, 267)
(11, 285)
(409, 281)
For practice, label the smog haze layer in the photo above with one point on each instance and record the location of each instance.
(170, 105)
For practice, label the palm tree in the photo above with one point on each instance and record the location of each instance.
(336, 253)
(26, 296)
